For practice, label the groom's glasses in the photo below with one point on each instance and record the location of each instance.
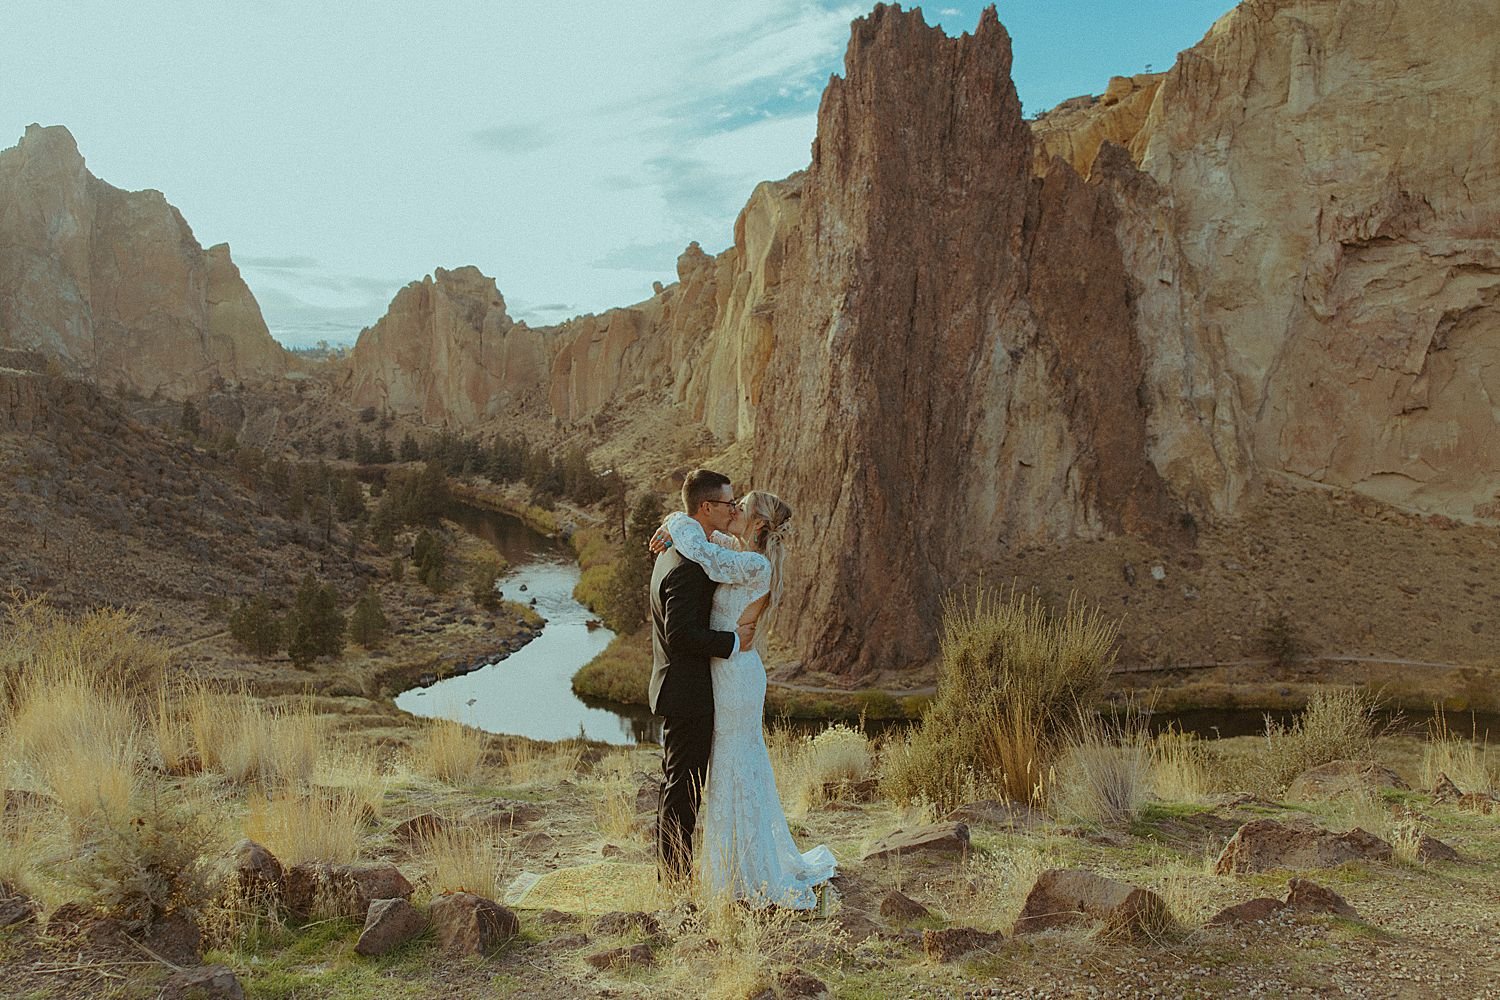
(732, 503)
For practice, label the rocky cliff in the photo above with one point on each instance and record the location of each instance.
(113, 283)
(959, 332)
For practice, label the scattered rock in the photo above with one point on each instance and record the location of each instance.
(794, 984)
(898, 905)
(206, 982)
(932, 838)
(635, 956)
(15, 906)
(618, 924)
(85, 928)
(568, 942)
(1068, 896)
(257, 872)
(389, 924)
(1477, 802)
(467, 924)
(612, 851)
(177, 939)
(854, 925)
(1264, 844)
(1252, 911)
(1343, 777)
(419, 828)
(1429, 848)
(952, 942)
(995, 812)
(507, 814)
(1444, 790)
(555, 918)
(648, 795)
(1310, 897)
(341, 890)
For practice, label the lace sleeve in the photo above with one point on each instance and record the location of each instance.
(722, 564)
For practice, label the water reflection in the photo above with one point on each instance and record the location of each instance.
(530, 692)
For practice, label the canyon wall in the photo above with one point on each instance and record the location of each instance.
(959, 331)
(113, 283)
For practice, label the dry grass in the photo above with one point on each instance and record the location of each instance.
(103, 648)
(240, 737)
(1338, 724)
(307, 827)
(468, 859)
(1104, 776)
(1181, 767)
(736, 952)
(451, 752)
(526, 762)
(812, 769)
(1012, 674)
(1469, 764)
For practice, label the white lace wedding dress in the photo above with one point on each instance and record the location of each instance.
(744, 845)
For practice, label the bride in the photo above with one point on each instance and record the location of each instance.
(747, 850)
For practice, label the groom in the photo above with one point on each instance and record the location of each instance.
(682, 689)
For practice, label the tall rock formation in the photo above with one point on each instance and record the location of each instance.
(959, 331)
(114, 284)
(956, 368)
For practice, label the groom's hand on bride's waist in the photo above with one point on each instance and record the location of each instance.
(746, 634)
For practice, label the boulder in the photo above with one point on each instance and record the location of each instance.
(1264, 844)
(1343, 777)
(1310, 897)
(940, 838)
(313, 888)
(952, 942)
(1068, 896)
(898, 906)
(1252, 911)
(176, 938)
(205, 982)
(634, 956)
(389, 924)
(15, 906)
(420, 828)
(467, 924)
(1429, 848)
(1444, 790)
(648, 795)
(257, 872)
(618, 924)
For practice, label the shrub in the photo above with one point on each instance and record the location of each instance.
(482, 579)
(1469, 763)
(1337, 724)
(314, 627)
(430, 555)
(1104, 775)
(622, 672)
(1280, 640)
(811, 769)
(1011, 677)
(452, 753)
(146, 863)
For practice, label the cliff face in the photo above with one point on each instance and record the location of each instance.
(959, 332)
(114, 284)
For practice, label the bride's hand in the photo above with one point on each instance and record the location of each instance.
(661, 541)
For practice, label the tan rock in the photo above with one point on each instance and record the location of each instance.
(897, 905)
(114, 284)
(1343, 777)
(1062, 897)
(1265, 844)
(1429, 848)
(954, 942)
(389, 924)
(313, 888)
(1309, 897)
(466, 924)
(1252, 911)
(939, 838)
(634, 956)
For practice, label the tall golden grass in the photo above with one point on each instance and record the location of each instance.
(451, 752)
(809, 769)
(1012, 675)
(1337, 724)
(1471, 765)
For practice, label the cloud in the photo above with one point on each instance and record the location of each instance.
(279, 263)
(640, 257)
(515, 137)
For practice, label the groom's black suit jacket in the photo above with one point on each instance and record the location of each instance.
(682, 597)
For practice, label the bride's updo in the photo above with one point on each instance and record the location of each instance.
(768, 529)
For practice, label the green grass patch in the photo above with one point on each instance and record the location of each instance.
(622, 672)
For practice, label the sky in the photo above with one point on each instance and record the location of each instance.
(569, 149)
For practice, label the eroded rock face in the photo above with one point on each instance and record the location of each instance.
(958, 330)
(113, 283)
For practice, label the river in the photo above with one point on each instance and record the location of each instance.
(530, 692)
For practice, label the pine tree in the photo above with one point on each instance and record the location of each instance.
(190, 423)
(409, 450)
(255, 628)
(351, 499)
(367, 624)
(314, 627)
(626, 598)
(431, 557)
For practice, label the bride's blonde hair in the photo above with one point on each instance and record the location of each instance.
(769, 538)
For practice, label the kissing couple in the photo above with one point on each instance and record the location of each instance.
(714, 594)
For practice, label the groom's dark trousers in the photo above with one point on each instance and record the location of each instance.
(682, 693)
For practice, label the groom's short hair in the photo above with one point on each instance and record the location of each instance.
(701, 485)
